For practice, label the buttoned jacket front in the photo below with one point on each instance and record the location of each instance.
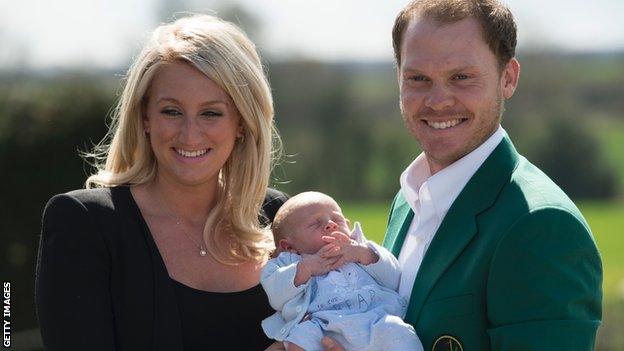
(513, 265)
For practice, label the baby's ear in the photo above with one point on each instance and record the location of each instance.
(284, 245)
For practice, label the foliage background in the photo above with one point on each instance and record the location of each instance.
(342, 135)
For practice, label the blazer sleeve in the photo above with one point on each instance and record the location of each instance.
(273, 200)
(544, 287)
(72, 283)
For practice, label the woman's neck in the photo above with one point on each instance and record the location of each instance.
(187, 203)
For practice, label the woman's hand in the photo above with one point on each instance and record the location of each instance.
(276, 346)
(330, 344)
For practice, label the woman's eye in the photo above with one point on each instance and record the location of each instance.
(171, 112)
(211, 114)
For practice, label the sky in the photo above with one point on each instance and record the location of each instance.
(43, 34)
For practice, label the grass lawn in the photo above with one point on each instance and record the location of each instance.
(605, 219)
(606, 222)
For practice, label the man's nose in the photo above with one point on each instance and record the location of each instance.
(439, 98)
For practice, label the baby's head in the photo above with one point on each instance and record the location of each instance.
(304, 219)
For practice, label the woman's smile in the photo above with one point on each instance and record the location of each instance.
(191, 154)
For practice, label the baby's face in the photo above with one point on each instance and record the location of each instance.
(313, 221)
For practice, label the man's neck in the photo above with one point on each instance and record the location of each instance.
(437, 166)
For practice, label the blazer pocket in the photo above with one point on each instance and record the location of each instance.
(450, 307)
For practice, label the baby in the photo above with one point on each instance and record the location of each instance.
(325, 282)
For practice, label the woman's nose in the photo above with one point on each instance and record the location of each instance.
(189, 132)
(331, 225)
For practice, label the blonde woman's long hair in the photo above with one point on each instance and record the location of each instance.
(224, 54)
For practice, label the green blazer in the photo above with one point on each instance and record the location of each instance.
(513, 265)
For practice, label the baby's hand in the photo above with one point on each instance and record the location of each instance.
(319, 263)
(349, 250)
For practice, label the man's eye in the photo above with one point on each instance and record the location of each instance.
(418, 78)
(171, 112)
(460, 77)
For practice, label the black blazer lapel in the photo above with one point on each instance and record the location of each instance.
(167, 326)
(167, 322)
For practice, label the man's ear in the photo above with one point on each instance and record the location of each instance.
(510, 77)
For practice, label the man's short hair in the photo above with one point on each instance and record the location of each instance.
(496, 20)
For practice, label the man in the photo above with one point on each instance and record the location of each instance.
(494, 255)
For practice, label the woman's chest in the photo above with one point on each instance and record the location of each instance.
(185, 264)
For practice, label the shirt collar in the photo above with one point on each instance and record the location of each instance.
(414, 176)
(445, 185)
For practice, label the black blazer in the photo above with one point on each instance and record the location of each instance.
(96, 256)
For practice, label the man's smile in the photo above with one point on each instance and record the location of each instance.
(444, 124)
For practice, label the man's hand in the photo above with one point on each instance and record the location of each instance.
(320, 263)
(349, 250)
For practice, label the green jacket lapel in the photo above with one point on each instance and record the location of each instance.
(401, 216)
(459, 225)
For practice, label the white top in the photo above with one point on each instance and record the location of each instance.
(430, 197)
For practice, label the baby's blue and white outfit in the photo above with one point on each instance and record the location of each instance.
(356, 305)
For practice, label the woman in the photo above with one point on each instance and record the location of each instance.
(166, 253)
